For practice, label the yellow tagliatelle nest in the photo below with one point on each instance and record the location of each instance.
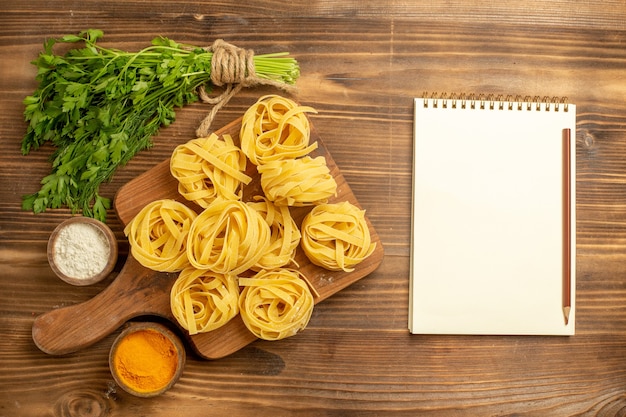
(158, 235)
(275, 128)
(228, 237)
(202, 300)
(284, 234)
(275, 304)
(208, 168)
(297, 182)
(336, 236)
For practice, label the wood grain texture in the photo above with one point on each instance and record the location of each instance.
(362, 62)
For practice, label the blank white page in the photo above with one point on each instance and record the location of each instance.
(487, 225)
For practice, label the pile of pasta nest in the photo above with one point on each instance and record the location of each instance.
(238, 257)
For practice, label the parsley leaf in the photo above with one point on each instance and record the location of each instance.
(101, 106)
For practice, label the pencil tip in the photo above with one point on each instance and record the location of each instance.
(566, 311)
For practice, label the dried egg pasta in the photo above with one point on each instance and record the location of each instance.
(158, 235)
(228, 237)
(297, 182)
(284, 237)
(202, 300)
(336, 236)
(275, 304)
(275, 128)
(208, 168)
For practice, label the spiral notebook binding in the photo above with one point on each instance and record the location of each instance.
(493, 102)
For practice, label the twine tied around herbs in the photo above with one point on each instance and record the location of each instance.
(233, 68)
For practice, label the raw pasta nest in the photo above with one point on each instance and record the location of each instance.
(275, 128)
(202, 300)
(275, 304)
(297, 182)
(336, 236)
(228, 237)
(284, 234)
(208, 168)
(158, 235)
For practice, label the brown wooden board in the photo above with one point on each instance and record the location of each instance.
(139, 291)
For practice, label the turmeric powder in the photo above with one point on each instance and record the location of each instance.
(145, 360)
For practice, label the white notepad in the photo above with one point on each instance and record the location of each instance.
(488, 230)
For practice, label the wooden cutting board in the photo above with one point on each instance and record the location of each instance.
(138, 291)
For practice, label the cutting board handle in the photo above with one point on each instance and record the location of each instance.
(136, 291)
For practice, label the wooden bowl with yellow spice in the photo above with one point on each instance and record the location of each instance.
(146, 359)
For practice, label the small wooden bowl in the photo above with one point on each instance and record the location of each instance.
(109, 243)
(152, 363)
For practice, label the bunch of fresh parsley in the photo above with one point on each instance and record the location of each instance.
(100, 106)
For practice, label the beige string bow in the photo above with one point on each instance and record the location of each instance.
(233, 68)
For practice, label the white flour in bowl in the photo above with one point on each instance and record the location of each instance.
(81, 250)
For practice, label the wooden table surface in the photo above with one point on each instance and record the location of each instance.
(362, 62)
